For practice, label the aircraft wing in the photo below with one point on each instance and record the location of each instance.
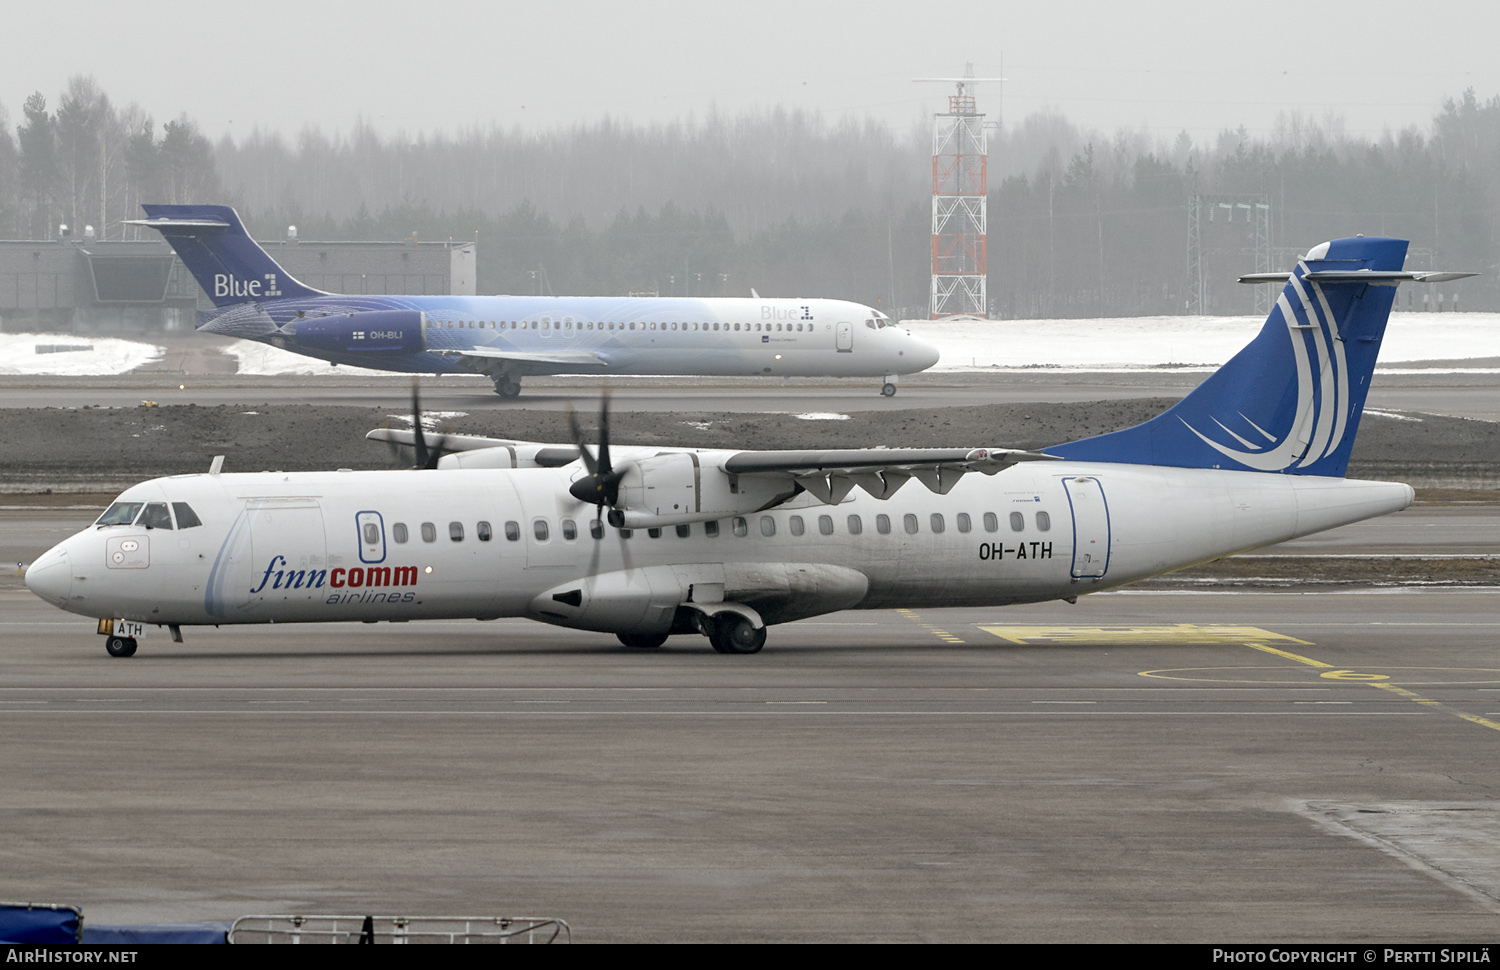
(830, 475)
(544, 456)
(572, 358)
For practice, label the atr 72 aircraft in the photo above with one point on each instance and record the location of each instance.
(648, 542)
(509, 337)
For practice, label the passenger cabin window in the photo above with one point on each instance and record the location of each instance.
(909, 523)
(484, 532)
(991, 522)
(711, 529)
(186, 517)
(398, 532)
(964, 525)
(596, 529)
(683, 531)
(513, 531)
(1017, 522)
(456, 531)
(1043, 521)
(740, 526)
(825, 524)
(120, 513)
(767, 525)
(569, 529)
(540, 530)
(654, 532)
(883, 524)
(797, 525)
(937, 522)
(429, 532)
(856, 525)
(372, 534)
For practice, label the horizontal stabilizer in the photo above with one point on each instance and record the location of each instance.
(1373, 277)
(168, 225)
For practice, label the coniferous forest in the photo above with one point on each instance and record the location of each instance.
(1081, 224)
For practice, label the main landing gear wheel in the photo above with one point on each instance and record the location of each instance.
(120, 646)
(733, 633)
(508, 388)
(889, 390)
(642, 641)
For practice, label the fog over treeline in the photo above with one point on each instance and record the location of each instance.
(1081, 223)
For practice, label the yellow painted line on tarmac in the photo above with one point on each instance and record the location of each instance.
(1185, 634)
(1267, 648)
(942, 635)
(1170, 634)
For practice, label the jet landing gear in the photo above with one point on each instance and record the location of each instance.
(642, 641)
(507, 387)
(733, 633)
(889, 388)
(120, 646)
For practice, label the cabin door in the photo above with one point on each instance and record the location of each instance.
(1090, 527)
(845, 337)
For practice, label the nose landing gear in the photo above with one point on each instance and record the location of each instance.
(889, 388)
(120, 646)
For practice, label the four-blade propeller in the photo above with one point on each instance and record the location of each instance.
(601, 486)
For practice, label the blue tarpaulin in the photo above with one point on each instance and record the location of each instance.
(156, 933)
(39, 923)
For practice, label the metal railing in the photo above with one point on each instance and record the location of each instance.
(399, 929)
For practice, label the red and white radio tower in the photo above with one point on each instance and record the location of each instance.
(960, 202)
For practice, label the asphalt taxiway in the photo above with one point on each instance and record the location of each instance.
(1141, 766)
(1438, 391)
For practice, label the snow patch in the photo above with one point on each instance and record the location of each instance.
(105, 355)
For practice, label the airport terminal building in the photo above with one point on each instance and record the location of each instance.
(88, 286)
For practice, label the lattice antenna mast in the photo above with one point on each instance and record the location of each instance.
(960, 201)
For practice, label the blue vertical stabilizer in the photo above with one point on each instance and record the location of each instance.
(229, 265)
(1291, 400)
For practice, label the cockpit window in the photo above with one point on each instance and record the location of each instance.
(186, 517)
(120, 513)
(156, 516)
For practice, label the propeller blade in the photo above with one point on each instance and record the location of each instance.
(583, 449)
(419, 439)
(601, 486)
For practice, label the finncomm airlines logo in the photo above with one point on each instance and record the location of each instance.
(226, 285)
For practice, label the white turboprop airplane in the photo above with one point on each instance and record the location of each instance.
(724, 543)
(507, 338)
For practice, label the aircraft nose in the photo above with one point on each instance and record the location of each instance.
(923, 353)
(51, 576)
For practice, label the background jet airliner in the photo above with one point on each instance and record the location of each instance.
(510, 337)
(648, 542)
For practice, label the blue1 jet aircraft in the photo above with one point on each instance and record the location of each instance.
(649, 542)
(510, 337)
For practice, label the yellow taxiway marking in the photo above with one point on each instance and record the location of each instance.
(1185, 634)
(1381, 682)
(1173, 634)
(943, 635)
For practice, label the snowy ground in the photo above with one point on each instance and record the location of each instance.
(1121, 343)
(1184, 343)
(105, 355)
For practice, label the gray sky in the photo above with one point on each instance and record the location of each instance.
(435, 65)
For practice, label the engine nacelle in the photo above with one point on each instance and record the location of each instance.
(682, 487)
(651, 599)
(372, 332)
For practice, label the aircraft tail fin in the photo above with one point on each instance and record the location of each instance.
(229, 265)
(1291, 400)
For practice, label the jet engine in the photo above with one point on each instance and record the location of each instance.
(373, 332)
